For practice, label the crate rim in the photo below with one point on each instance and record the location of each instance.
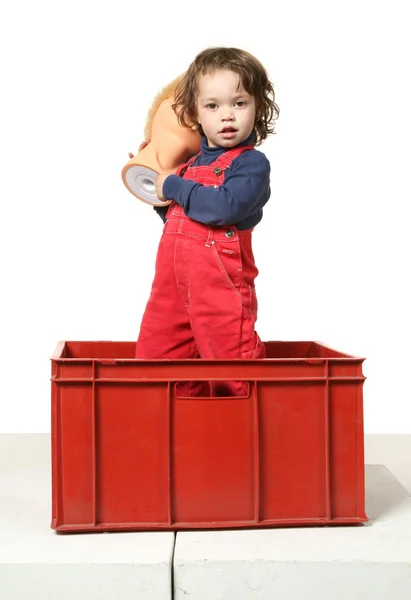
(56, 356)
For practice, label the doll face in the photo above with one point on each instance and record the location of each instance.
(225, 111)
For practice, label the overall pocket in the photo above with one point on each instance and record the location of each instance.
(228, 258)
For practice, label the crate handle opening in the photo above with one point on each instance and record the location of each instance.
(211, 390)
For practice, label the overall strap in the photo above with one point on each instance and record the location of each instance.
(187, 164)
(225, 160)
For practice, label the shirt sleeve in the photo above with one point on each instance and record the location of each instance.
(245, 190)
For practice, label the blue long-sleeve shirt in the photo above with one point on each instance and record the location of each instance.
(238, 201)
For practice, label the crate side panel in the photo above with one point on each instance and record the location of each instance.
(346, 368)
(292, 450)
(74, 369)
(277, 349)
(100, 349)
(56, 487)
(213, 460)
(76, 465)
(132, 453)
(346, 449)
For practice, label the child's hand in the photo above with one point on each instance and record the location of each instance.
(159, 186)
(141, 147)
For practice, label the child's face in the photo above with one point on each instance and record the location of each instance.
(225, 111)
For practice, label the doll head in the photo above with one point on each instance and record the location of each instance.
(170, 145)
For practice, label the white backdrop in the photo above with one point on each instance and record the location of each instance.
(78, 250)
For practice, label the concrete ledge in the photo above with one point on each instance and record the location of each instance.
(361, 562)
(37, 563)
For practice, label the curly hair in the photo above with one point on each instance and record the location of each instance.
(252, 75)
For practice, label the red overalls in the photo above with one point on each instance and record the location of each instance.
(202, 302)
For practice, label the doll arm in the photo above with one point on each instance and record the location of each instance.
(245, 190)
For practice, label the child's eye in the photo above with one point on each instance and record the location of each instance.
(211, 105)
(240, 103)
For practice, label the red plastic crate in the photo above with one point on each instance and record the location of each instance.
(127, 453)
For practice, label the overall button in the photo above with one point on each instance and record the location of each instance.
(229, 233)
(218, 171)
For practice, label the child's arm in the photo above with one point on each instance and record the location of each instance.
(245, 190)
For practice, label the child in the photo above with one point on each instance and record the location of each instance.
(203, 302)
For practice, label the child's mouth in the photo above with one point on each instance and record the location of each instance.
(228, 132)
